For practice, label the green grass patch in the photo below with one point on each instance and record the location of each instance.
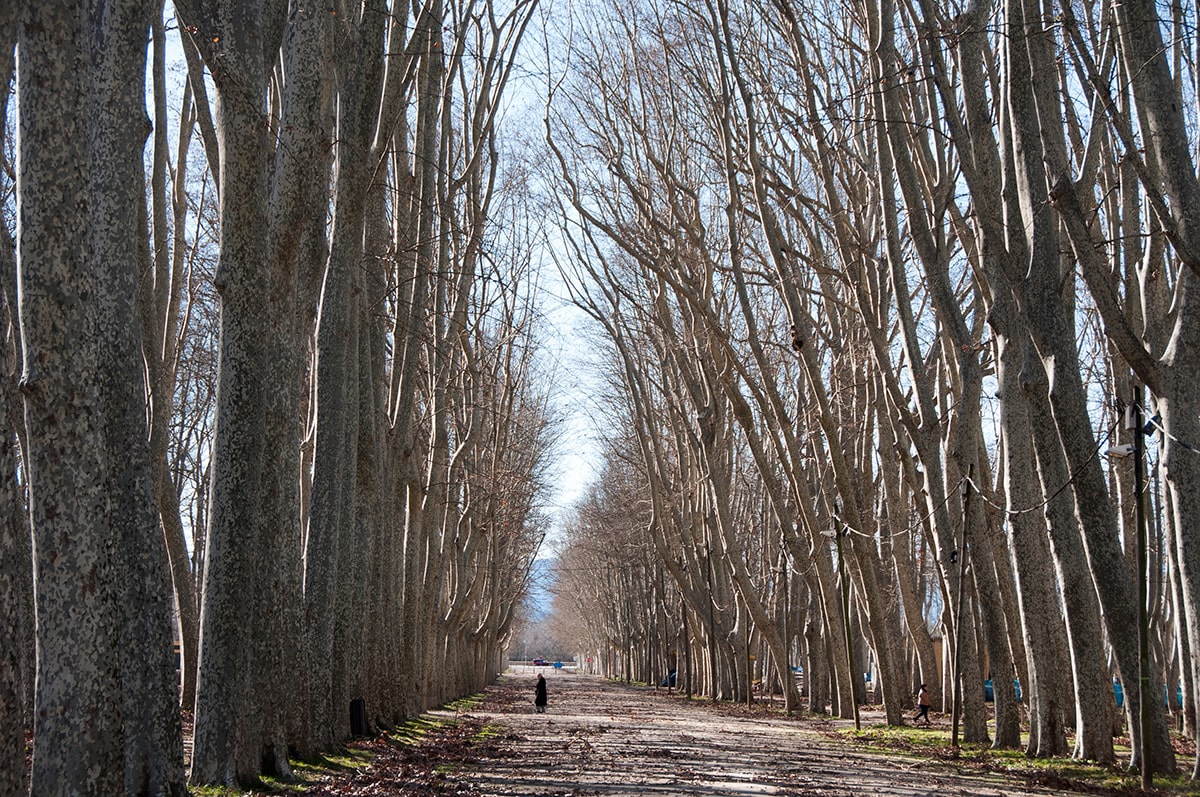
(489, 731)
(277, 786)
(888, 737)
(1069, 768)
(266, 785)
(415, 731)
(345, 761)
(305, 772)
(1055, 773)
(464, 703)
(1176, 784)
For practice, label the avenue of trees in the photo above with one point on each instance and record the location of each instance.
(877, 288)
(271, 387)
(878, 284)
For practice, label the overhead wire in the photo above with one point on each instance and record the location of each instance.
(1156, 422)
(1046, 501)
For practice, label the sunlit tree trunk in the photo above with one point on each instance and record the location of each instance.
(1035, 285)
(106, 692)
(235, 732)
(78, 692)
(1047, 688)
(417, 249)
(1171, 189)
(333, 541)
(297, 217)
(907, 575)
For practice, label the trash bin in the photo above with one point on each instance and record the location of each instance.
(358, 717)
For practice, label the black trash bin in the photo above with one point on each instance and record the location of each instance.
(358, 717)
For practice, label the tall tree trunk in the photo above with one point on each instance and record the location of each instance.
(332, 546)
(1180, 413)
(1094, 702)
(1162, 160)
(78, 731)
(106, 712)
(420, 529)
(1036, 285)
(153, 741)
(331, 511)
(15, 568)
(1045, 690)
(234, 731)
(1161, 112)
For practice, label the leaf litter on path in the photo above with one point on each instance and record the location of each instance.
(600, 737)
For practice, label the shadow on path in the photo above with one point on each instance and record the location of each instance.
(604, 738)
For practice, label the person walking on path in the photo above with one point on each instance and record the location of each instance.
(539, 695)
(923, 704)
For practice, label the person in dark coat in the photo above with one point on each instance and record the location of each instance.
(539, 695)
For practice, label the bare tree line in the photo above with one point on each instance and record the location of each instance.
(879, 284)
(271, 365)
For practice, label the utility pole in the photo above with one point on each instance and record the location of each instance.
(712, 624)
(1133, 422)
(838, 531)
(687, 648)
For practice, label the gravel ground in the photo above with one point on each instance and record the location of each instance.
(604, 738)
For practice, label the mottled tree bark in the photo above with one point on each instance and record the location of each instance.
(1178, 406)
(77, 706)
(995, 199)
(105, 709)
(298, 208)
(331, 578)
(235, 732)
(1168, 174)
(78, 714)
(1036, 283)
(116, 49)
(1046, 688)
(418, 234)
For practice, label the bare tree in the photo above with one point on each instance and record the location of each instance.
(108, 683)
(235, 730)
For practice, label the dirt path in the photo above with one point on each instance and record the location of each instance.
(601, 738)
